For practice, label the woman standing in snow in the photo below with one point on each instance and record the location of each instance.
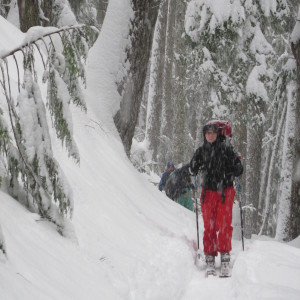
(219, 164)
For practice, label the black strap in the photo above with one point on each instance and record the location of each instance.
(223, 195)
(203, 195)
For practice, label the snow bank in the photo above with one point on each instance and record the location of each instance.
(43, 265)
(268, 270)
(295, 242)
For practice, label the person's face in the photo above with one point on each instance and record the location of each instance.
(210, 136)
(170, 168)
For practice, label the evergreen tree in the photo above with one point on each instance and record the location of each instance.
(236, 57)
(181, 138)
(154, 101)
(33, 176)
(90, 12)
(146, 151)
(4, 7)
(292, 227)
(131, 87)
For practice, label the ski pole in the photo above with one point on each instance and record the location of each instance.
(241, 210)
(195, 188)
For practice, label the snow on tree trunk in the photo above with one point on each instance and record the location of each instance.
(253, 161)
(167, 101)
(145, 15)
(180, 136)
(294, 221)
(284, 199)
(267, 156)
(4, 7)
(264, 228)
(46, 10)
(154, 104)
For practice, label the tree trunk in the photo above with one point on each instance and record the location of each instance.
(294, 221)
(284, 197)
(47, 6)
(4, 7)
(253, 163)
(101, 6)
(138, 56)
(154, 105)
(28, 14)
(76, 5)
(168, 71)
(179, 135)
(268, 200)
(267, 157)
(166, 149)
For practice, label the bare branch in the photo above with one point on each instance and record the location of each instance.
(42, 39)
(40, 54)
(19, 83)
(52, 43)
(8, 79)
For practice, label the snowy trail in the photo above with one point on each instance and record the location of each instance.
(261, 272)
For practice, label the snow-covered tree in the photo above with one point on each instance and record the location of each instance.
(31, 173)
(165, 120)
(292, 228)
(4, 7)
(45, 13)
(147, 148)
(182, 143)
(239, 52)
(131, 86)
(90, 12)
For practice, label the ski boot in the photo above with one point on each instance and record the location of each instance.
(210, 268)
(225, 268)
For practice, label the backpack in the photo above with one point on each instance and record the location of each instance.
(178, 181)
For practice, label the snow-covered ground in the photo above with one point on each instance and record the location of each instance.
(132, 242)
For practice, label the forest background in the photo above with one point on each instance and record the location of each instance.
(187, 62)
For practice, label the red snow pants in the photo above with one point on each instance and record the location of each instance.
(217, 218)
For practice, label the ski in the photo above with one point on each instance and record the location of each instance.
(211, 274)
(225, 273)
(211, 270)
(224, 276)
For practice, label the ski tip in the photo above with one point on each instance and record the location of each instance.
(224, 276)
(211, 274)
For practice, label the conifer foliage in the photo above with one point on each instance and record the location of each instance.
(243, 62)
(28, 167)
(233, 62)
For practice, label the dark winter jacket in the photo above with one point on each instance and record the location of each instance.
(179, 181)
(163, 180)
(218, 163)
